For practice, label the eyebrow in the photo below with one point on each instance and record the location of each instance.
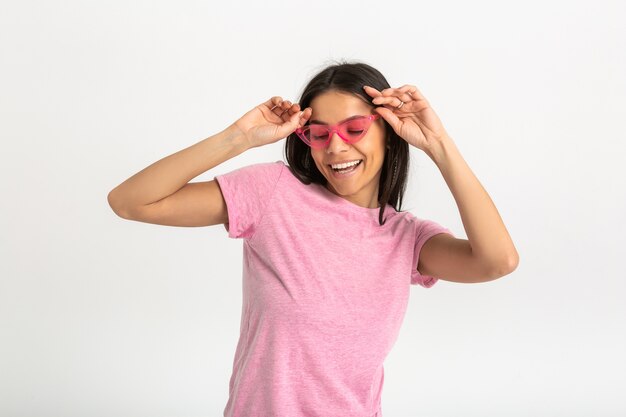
(319, 122)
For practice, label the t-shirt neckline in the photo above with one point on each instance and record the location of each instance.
(370, 212)
(350, 205)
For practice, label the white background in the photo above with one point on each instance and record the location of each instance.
(101, 316)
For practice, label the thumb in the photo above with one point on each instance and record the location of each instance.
(290, 125)
(391, 118)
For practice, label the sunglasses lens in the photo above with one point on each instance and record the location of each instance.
(353, 130)
(317, 134)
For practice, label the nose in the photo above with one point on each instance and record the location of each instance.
(336, 144)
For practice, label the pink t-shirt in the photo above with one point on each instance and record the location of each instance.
(325, 290)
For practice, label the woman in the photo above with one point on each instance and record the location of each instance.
(328, 255)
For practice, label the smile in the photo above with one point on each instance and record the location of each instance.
(346, 172)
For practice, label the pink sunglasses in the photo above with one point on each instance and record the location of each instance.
(351, 131)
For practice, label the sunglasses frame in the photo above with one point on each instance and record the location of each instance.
(336, 129)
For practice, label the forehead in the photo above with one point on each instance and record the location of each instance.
(334, 106)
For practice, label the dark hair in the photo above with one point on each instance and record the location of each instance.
(350, 77)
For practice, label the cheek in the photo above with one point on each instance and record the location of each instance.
(318, 160)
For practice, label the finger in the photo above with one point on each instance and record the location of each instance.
(303, 116)
(392, 102)
(390, 117)
(290, 111)
(400, 93)
(279, 108)
(372, 91)
(287, 114)
(389, 91)
(289, 125)
(295, 108)
(285, 105)
(413, 92)
(293, 120)
(273, 102)
(277, 102)
(306, 114)
(405, 93)
(287, 110)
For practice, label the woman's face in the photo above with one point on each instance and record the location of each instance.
(361, 185)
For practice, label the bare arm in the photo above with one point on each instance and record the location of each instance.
(162, 193)
(489, 252)
(165, 177)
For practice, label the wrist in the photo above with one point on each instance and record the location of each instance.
(440, 149)
(237, 137)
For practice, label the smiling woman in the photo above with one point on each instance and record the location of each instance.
(359, 185)
(329, 256)
(335, 96)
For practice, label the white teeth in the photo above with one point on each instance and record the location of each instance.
(347, 164)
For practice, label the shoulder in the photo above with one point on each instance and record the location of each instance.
(257, 171)
(275, 166)
(421, 228)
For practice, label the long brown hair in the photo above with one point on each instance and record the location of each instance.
(350, 77)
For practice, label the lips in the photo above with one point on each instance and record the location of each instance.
(343, 162)
(338, 175)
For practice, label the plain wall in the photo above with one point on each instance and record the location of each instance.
(101, 316)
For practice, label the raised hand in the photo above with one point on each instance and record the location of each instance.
(272, 120)
(414, 121)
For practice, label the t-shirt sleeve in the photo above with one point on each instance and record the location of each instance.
(424, 230)
(247, 192)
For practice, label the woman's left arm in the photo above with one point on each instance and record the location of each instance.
(488, 253)
(490, 242)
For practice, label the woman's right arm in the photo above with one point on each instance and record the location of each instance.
(162, 194)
